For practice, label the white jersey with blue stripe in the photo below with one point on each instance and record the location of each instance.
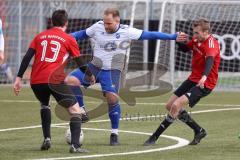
(110, 49)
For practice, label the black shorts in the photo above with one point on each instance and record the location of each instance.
(61, 92)
(192, 92)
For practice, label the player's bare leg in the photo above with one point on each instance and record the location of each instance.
(177, 105)
(178, 111)
(171, 101)
(164, 125)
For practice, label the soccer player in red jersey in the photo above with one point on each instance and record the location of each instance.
(205, 63)
(51, 49)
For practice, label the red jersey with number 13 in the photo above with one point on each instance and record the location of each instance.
(52, 48)
(209, 47)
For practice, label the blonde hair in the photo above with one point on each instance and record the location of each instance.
(113, 11)
(203, 23)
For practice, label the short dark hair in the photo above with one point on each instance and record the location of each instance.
(59, 18)
(203, 23)
(113, 11)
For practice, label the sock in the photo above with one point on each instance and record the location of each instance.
(186, 118)
(163, 126)
(114, 114)
(78, 94)
(115, 131)
(75, 128)
(46, 121)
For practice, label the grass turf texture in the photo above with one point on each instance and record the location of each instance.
(221, 143)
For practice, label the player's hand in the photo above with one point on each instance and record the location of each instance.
(181, 37)
(1, 57)
(91, 79)
(17, 85)
(202, 81)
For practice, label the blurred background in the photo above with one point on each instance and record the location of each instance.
(23, 19)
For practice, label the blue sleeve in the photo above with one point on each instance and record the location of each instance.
(80, 35)
(148, 35)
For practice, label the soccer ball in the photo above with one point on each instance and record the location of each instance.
(68, 136)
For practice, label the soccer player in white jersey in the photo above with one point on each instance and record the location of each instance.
(111, 41)
(4, 67)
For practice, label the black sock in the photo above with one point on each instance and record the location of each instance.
(186, 118)
(46, 121)
(75, 127)
(163, 126)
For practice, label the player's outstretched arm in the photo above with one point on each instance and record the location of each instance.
(152, 35)
(80, 35)
(24, 64)
(183, 44)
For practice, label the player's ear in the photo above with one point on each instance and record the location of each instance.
(66, 24)
(117, 19)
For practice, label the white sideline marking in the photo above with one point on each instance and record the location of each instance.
(138, 103)
(30, 127)
(181, 142)
(215, 110)
(20, 128)
(157, 116)
(107, 120)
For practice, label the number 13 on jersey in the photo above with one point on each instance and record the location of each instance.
(55, 48)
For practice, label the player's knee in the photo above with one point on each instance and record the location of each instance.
(112, 99)
(174, 110)
(168, 106)
(73, 81)
(174, 107)
(75, 109)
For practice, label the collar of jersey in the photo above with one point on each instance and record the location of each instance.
(115, 31)
(207, 38)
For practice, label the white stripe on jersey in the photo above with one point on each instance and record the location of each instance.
(211, 43)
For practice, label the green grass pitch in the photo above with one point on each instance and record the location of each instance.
(222, 143)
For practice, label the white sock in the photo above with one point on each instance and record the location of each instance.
(115, 131)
